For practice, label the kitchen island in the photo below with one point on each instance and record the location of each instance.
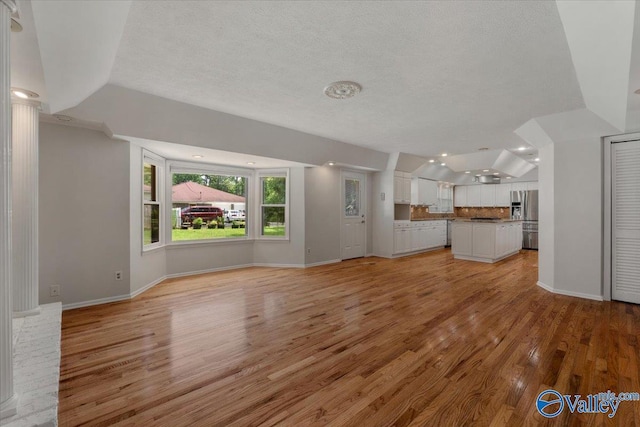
(485, 240)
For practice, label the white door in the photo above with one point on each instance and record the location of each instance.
(353, 215)
(625, 221)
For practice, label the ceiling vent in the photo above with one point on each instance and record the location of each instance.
(487, 179)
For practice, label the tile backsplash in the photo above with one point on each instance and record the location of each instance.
(422, 212)
(502, 213)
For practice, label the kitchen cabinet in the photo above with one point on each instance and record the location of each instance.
(524, 186)
(401, 237)
(487, 195)
(401, 187)
(474, 195)
(503, 195)
(460, 196)
(424, 192)
(486, 241)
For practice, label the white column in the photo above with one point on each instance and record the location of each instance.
(8, 400)
(24, 160)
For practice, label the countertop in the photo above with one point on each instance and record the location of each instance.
(487, 220)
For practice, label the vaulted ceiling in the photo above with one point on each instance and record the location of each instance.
(437, 76)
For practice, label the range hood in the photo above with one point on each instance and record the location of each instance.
(487, 179)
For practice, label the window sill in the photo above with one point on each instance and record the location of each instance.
(153, 249)
(272, 239)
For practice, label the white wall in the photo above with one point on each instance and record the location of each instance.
(578, 217)
(84, 214)
(322, 213)
(383, 213)
(546, 226)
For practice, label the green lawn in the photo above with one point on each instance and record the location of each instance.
(274, 230)
(206, 233)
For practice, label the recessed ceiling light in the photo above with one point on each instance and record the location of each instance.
(251, 163)
(63, 118)
(478, 175)
(496, 173)
(443, 155)
(342, 90)
(522, 148)
(331, 163)
(485, 170)
(508, 177)
(431, 161)
(197, 156)
(467, 171)
(443, 164)
(23, 93)
(537, 159)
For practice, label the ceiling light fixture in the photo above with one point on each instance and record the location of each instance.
(522, 148)
(467, 171)
(485, 170)
(443, 155)
(478, 175)
(63, 118)
(197, 156)
(537, 159)
(331, 163)
(15, 26)
(508, 177)
(342, 90)
(251, 163)
(443, 164)
(431, 161)
(23, 93)
(496, 173)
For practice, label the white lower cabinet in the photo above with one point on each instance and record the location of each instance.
(418, 235)
(485, 241)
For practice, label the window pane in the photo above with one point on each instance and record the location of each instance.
(208, 207)
(149, 183)
(274, 190)
(273, 221)
(351, 197)
(151, 224)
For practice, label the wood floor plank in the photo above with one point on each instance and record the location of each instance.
(423, 340)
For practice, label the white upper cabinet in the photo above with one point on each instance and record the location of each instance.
(460, 196)
(424, 192)
(503, 195)
(487, 195)
(401, 187)
(474, 195)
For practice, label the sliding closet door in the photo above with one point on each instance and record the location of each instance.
(625, 221)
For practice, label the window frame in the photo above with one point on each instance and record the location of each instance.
(269, 173)
(178, 167)
(159, 163)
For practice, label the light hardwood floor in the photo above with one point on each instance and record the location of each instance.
(424, 340)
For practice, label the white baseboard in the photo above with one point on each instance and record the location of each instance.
(316, 264)
(95, 302)
(262, 264)
(570, 293)
(147, 287)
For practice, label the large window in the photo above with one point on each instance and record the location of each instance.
(208, 206)
(273, 205)
(151, 202)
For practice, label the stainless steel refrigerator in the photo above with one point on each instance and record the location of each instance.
(524, 206)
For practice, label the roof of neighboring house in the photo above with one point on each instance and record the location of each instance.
(192, 192)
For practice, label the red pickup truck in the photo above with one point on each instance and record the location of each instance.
(207, 213)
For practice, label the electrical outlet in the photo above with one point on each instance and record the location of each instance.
(54, 290)
(308, 250)
(118, 275)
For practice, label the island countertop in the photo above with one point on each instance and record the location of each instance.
(494, 220)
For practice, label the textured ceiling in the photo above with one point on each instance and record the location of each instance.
(436, 76)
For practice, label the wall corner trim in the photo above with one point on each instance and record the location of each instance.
(545, 286)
